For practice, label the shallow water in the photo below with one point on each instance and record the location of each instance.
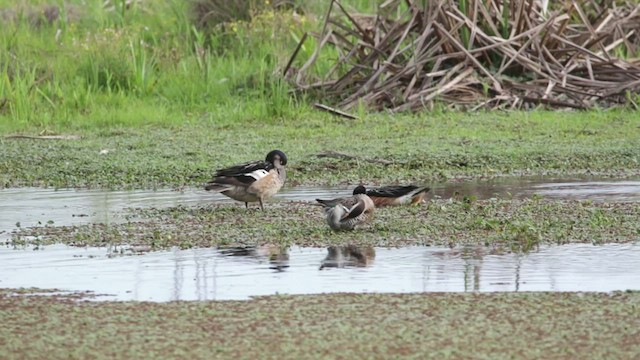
(238, 274)
(26, 207)
(35, 206)
(575, 189)
(207, 274)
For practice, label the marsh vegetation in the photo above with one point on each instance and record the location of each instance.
(147, 95)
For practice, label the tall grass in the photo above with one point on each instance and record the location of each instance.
(148, 63)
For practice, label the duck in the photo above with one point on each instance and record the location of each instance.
(254, 181)
(348, 212)
(397, 195)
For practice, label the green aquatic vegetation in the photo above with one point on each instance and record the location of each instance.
(387, 150)
(354, 326)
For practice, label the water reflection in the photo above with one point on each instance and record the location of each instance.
(277, 256)
(575, 188)
(348, 256)
(238, 273)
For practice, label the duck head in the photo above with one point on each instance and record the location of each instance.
(277, 155)
(359, 190)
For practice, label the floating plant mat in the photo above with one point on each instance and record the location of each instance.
(517, 225)
(475, 54)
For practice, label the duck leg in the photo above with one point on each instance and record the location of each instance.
(246, 205)
(261, 206)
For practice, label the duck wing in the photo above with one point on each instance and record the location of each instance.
(355, 211)
(241, 175)
(396, 191)
(347, 202)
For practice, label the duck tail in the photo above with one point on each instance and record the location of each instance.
(417, 197)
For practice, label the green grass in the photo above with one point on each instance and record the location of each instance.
(502, 224)
(439, 326)
(97, 67)
(145, 65)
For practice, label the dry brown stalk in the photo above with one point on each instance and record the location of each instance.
(409, 57)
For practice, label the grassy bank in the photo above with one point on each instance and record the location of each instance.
(418, 149)
(503, 225)
(453, 326)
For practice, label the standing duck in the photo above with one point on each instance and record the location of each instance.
(252, 181)
(397, 195)
(348, 212)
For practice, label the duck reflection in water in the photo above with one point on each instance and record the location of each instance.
(348, 256)
(277, 256)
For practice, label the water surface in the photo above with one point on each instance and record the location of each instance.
(26, 207)
(217, 274)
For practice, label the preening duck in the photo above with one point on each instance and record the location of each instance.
(252, 181)
(348, 212)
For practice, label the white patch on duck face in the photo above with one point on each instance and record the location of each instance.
(258, 174)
